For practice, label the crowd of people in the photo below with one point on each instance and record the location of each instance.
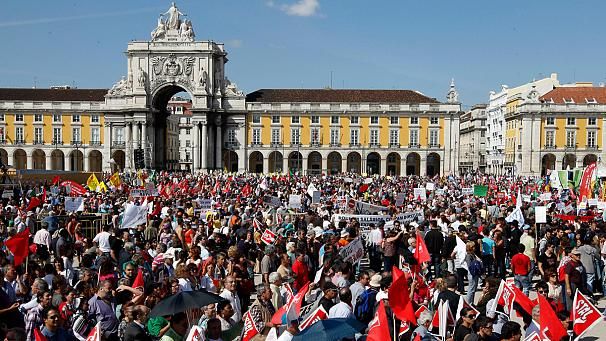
(267, 242)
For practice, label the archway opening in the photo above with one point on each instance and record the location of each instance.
(230, 161)
(20, 159)
(76, 161)
(354, 162)
(589, 159)
(119, 161)
(334, 163)
(4, 158)
(38, 159)
(295, 162)
(393, 164)
(95, 161)
(413, 164)
(569, 161)
(276, 161)
(548, 162)
(169, 104)
(255, 162)
(433, 164)
(373, 164)
(57, 160)
(314, 163)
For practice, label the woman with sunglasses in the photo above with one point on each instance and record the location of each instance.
(468, 316)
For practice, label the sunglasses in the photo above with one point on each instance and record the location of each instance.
(471, 316)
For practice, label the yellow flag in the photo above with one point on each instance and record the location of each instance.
(102, 187)
(92, 182)
(114, 180)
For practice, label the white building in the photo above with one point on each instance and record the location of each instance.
(472, 149)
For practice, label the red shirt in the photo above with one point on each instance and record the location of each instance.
(520, 264)
(301, 274)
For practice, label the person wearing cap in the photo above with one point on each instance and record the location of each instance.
(574, 274)
(330, 293)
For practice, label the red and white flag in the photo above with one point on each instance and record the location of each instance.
(404, 328)
(249, 330)
(421, 254)
(443, 318)
(95, 333)
(421, 309)
(268, 237)
(533, 337)
(195, 334)
(315, 316)
(289, 293)
(505, 297)
(550, 324)
(378, 328)
(584, 314)
(463, 304)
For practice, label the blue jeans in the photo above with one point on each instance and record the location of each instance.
(523, 283)
(590, 279)
(473, 286)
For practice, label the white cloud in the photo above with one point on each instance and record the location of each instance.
(302, 8)
(234, 43)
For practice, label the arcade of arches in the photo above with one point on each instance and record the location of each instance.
(55, 159)
(568, 161)
(334, 162)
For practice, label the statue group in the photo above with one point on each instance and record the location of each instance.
(171, 21)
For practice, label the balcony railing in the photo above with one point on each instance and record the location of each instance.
(57, 142)
(38, 142)
(374, 145)
(256, 144)
(19, 142)
(76, 143)
(394, 145)
(118, 144)
(434, 145)
(414, 145)
(276, 144)
(550, 146)
(591, 147)
(95, 143)
(355, 145)
(315, 143)
(231, 145)
(335, 144)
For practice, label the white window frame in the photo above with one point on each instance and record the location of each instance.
(295, 136)
(355, 119)
(56, 118)
(434, 138)
(592, 121)
(591, 138)
(19, 118)
(295, 119)
(315, 119)
(374, 119)
(414, 120)
(315, 135)
(434, 120)
(94, 118)
(57, 136)
(354, 137)
(276, 136)
(394, 120)
(95, 135)
(335, 136)
(571, 141)
(334, 119)
(394, 137)
(118, 134)
(550, 138)
(571, 121)
(19, 135)
(275, 119)
(413, 138)
(256, 136)
(375, 137)
(38, 135)
(256, 118)
(38, 118)
(76, 118)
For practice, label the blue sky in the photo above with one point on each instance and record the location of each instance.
(384, 44)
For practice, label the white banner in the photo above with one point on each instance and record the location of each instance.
(440, 191)
(205, 206)
(540, 214)
(294, 201)
(592, 202)
(420, 194)
(467, 190)
(137, 193)
(74, 204)
(353, 252)
(400, 199)
(430, 186)
(366, 208)
(545, 196)
(366, 220)
(311, 189)
(134, 215)
(316, 197)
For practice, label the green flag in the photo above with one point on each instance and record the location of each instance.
(480, 190)
(578, 174)
(563, 176)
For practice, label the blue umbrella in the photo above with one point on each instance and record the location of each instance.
(333, 329)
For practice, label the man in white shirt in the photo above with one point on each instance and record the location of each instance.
(342, 309)
(358, 287)
(102, 239)
(43, 237)
(230, 294)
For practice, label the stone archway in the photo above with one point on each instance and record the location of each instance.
(314, 163)
(433, 164)
(569, 161)
(393, 164)
(334, 163)
(413, 164)
(230, 161)
(276, 162)
(76, 161)
(255, 162)
(20, 159)
(548, 162)
(57, 160)
(119, 159)
(95, 161)
(589, 159)
(295, 162)
(373, 163)
(354, 163)
(38, 159)
(4, 157)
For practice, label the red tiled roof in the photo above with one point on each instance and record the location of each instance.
(579, 95)
(68, 95)
(338, 95)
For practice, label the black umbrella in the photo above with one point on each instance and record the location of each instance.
(333, 329)
(184, 301)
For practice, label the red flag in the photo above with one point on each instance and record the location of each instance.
(76, 188)
(19, 246)
(584, 315)
(268, 237)
(38, 336)
(33, 203)
(421, 309)
(450, 321)
(364, 188)
(404, 328)
(43, 195)
(550, 324)
(250, 329)
(291, 311)
(523, 300)
(317, 315)
(378, 328)
(138, 282)
(421, 254)
(585, 186)
(399, 297)
(56, 180)
(95, 333)
(246, 190)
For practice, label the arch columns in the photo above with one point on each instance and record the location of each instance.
(66, 162)
(30, 160)
(423, 165)
(383, 166)
(204, 146)
(128, 146)
(49, 161)
(195, 145)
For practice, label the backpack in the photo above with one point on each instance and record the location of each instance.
(365, 306)
(476, 268)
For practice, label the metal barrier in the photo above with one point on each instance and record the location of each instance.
(91, 223)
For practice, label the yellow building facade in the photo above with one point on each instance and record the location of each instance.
(562, 129)
(52, 129)
(387, 132)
